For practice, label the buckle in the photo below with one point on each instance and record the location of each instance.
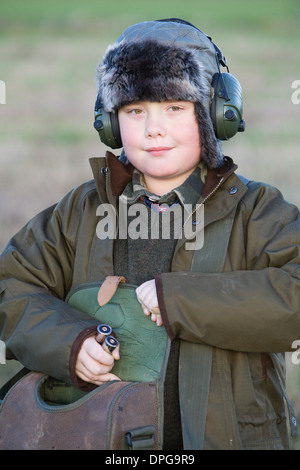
(141, 438)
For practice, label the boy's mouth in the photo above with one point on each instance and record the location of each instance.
(156, 151)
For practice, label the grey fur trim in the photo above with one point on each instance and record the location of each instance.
(149, 70)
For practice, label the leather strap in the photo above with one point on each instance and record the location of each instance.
(108, 288)
(209, 259)
(195, 379)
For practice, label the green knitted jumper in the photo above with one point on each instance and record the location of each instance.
(139, 259)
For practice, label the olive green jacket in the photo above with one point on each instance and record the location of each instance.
(249, 313)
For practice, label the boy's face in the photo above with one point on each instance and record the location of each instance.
(161, 139)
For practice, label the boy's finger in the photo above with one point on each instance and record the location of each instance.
(116, 353)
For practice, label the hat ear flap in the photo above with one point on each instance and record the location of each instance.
(211, 148)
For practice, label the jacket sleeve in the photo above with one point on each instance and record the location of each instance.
(36, 324)
(254, 309)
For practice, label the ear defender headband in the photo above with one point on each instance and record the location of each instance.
(226, 109)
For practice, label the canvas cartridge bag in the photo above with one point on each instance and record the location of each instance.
(117, 415)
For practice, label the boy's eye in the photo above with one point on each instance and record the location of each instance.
(175, 108)
(135, 111)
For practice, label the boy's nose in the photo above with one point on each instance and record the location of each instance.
(155, 128)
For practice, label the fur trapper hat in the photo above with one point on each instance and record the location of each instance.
(158, 61)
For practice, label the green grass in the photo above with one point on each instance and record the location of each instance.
(74, 17)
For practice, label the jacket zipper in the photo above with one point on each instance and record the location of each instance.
(204, 200)
(105, 170)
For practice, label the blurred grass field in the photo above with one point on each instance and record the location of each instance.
(49, 51)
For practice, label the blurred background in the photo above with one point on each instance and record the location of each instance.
(49, 52)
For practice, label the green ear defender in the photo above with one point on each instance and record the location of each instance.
(227, 106)
(107, 126)
(226, 109)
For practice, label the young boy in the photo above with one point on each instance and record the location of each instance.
(230, 308)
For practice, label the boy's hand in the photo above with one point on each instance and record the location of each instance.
(94, 364)
(147, 296)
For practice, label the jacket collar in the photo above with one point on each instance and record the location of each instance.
(214, 177)
(119, 175)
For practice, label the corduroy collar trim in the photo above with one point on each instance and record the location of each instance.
(121, 175)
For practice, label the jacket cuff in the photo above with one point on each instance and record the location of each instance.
(76, 381)
(162, 307)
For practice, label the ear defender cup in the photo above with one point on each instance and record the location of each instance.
(227, 106)
(107, 126)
